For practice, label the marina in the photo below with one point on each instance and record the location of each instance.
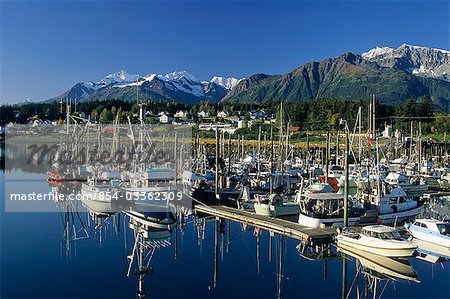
(225, 149)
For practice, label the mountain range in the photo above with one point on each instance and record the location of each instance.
(391, 74)
(177, 86)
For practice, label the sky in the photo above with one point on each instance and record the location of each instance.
(47, 47)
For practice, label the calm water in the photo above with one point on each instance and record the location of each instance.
(37, 261)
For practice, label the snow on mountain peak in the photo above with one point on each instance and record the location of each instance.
(228, 83)
(421, 48)
(377, 52)
(417, 60)
(119, 77)
(177, 76)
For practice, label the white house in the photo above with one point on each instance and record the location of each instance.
(164, 119)
(181, 114)
(222, 114)
(242, 124)
(203, 114)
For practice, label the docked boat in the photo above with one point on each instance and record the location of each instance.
(393, 205)
(146, 181)
(411, 186)
(326, 209)
(430, 230)
(102, 188)
(150, 215)
(377, 239)
(274, 205)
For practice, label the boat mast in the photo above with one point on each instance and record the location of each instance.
(346, 178)
(359, 133)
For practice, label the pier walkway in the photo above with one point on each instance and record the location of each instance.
(275, 225)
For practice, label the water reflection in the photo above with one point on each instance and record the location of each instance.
(149, 234)
(232, 255)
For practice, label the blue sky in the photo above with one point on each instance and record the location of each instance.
(46, 47)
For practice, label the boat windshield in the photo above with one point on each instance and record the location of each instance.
(389, 235)
(394, 235)
(444, 228)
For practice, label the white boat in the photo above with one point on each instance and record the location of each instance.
(377, 239)
(394, 205)
(430, 230)
(325, 210)
(274, 205)
(149, 180)
(102, 188)
(413, 186)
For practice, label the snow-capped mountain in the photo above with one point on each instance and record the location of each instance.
(117, 78)
(416, 60)
(228, 83)
(176, 86)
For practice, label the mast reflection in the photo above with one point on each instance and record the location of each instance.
(374, 273)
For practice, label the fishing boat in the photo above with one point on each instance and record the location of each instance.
(151, 181)
(393, 205)
(430, 230)
(410, 186)
(102, 188)
(274, 205)
(377, 239)
(326, 209)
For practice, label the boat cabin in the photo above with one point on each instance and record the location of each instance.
(441, 227)
(381, 232)
(322, 204)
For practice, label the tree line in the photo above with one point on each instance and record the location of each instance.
(311, 115)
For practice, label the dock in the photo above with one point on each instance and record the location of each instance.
(307, 235)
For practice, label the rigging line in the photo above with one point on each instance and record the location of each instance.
(384, 288)
(248, 249)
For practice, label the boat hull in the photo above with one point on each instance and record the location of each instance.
(401, 216)
(393, 251)
(276, 211)
(327, 222)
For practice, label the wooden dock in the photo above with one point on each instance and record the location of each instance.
(274, 225)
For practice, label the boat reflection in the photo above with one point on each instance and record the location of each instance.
(374, 273)
(431, 253)
(150, 233)
(74, 227)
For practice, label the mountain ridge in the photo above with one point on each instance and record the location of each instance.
(178, 86)
(393, 75)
